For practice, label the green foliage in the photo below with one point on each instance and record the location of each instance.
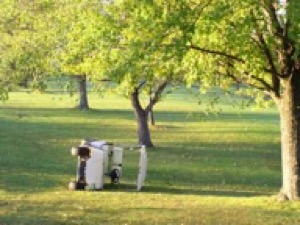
(78, 44)
(132, 41)
(210, 42)
(42, 38)
(293, 10)
(228, 34)
(149, 39)
(25, 44)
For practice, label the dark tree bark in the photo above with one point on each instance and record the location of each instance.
(151, 113)
(152, 118)
(82, 91)
(25, 82)
(142, 114)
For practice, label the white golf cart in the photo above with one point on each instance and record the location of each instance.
(97, 159)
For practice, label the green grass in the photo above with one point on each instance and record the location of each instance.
(205, 169)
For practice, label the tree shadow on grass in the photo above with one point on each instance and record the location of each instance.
(201, 192)
(163, 116)
(38, 159)
(152, 189)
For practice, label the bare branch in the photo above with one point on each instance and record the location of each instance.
(157, 95)
(268, 55)
(141, 85)
(276, 23)
(268, 17)
(266, 85)
(256, 41)
(216, 52)
(201, 8)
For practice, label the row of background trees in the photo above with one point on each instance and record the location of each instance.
(145, 45)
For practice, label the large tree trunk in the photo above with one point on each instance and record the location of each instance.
(141, 116)
(289, 108)
(82, 91)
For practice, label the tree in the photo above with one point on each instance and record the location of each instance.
(23, 47)
(82, 89)
(49, 37)
(142, 113)
(12, 33)
(142, 53)
(77, 45)
(80, 44)
(256, 42)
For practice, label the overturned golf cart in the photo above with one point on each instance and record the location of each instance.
(98, 159)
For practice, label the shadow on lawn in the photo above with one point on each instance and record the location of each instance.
(151, 189)
(22, 113)
(191, 191)
(38, 159)
(164, 116)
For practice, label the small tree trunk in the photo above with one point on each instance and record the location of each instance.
(25, 82)
(290, 138)
(142, 121)
(152, 118)
(151, 113)
(82, 90)
(238, 85)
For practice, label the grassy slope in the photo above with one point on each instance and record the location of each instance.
(205, 169)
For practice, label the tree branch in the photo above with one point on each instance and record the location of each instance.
(268, 54)
(201, 8)
(134, 96)
(141, 85)
(266, 85)
(216, 52)
(273, 14)
(157, 95)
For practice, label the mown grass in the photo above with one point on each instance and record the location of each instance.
(205, 169)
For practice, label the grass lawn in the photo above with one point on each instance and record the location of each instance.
(205, 169)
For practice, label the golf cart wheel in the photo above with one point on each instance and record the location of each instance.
(115, 176)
